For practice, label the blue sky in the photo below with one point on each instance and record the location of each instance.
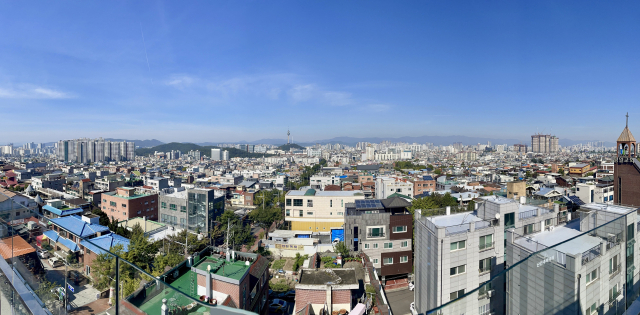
(246, 70)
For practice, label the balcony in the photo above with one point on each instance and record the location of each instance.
(376, 235)
(591, 254)
(482, 271)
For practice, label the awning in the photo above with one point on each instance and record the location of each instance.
(14, 246)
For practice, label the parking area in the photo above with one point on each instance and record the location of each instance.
(82, 295)
(399, 301)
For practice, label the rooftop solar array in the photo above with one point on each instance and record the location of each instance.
(369, 204)
(576, 200)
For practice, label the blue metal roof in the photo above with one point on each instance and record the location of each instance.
(52, 235)
(62, 212)
(75, 225)
(69, 244)
(105, 242)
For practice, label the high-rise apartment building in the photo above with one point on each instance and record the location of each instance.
(215, 155)
(225, 155)
(86, 150)
(544, 144)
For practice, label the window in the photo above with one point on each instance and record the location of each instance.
(330, 203)
(404, 259)
(104, 200)
(399, 229)
(139, 212)
(458, 270)
(310, 203)
(458, 245)
(528, 229)
(613, 264)
(375, 245)
(341, 203)
(592, 310)
(592, 276)
(297, 202)
(613, 292)
(388, 245)
(376, 232)
(146, 202)
(124, 205)
(366, 246)
(173, 207)
(387, 260)
(404, 244)
(484, 289)
(288, 212)
(309, 212)
(486, 241)
(375, 261)
(485, 309)
(153, 201)
(112, 203)
(399, 190)
(484, 265)
(548, 222)
(301, 213)
(163, 205)
(456, 294)
(340, 213)
(288, 202)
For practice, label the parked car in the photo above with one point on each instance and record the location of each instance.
(411, 286)
(43, 254)
(55, 262)
(412, 307)
(278, 305)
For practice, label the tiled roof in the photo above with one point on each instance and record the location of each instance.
(106, 242)
(626, 136)
(69, 244)
(75, 225)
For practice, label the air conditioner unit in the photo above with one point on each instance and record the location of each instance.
(551, 228)
(490, 293)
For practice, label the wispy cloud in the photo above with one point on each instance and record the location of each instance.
(180, 81)
(28, 91)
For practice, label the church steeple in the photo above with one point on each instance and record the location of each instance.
(626, 144)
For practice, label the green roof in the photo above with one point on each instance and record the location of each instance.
(233, 270)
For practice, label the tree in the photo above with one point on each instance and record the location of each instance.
(141, 252)
(342, 249)
(561, 171)
(162, 261)
(264, 218)
(104, 268)
(104, 218)
(44, 293)
(471, 206)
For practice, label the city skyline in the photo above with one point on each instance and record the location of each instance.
(143, 70)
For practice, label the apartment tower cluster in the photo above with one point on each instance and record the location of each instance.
(544, 144)
(87, 150)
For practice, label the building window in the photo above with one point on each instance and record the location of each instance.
(113, 203)
(486, 241)
(366, 246)
(124, 205)
(399, 229)
(340, 213)
(388, 245)
(288, 202)
(458, 270)
(173, 207)
(528, 229)
(376, 232)
(484, 265)
(104, 200)
(592, 276)
(387, 261)
(456, 294)
(548, 222)
(375, 261)
(375, 245)
(288, 212)
(458, 245)
(613, 293)
(404, 244)
(330, 203)
(301, 213)
(297, 202)
(404, 259)
(592, 310)
(163, 205)
(341, 203)
(485, 309)
(309, 212)
(183, 208)
(613, 264)
(309, 203)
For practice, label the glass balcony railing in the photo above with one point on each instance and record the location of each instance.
(42, 273)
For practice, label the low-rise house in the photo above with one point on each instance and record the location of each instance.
(327, 290)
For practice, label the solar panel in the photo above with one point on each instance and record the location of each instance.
(369, 204)
(576, 200)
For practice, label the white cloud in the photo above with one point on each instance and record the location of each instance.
(22, 91)
(180, 81)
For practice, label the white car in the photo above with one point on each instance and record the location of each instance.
(43, 254)
(411, 286)
(412, 307)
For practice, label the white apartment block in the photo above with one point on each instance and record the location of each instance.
(387, 186)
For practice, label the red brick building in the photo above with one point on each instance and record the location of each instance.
(124, 204)
(424, 184)
(626, 174)
(317, 289)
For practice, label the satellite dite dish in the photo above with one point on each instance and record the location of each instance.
(497, 216)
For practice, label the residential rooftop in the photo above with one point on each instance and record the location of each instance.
(328, 277)
(558, 235)
(229, 269)
(113, 193)
(609, 208)
(320, 193)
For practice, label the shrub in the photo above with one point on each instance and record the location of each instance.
(278, 264)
